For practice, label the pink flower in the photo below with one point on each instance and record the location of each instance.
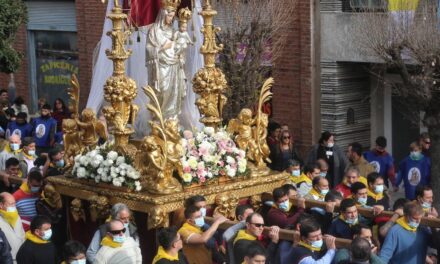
(202, 179)
(221, 163)
(186, 169)
(203, 151)
(187, 134)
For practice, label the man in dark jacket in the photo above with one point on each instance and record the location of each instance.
(5, 250)
(37, 249)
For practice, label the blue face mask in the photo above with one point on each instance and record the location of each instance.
(203, 211)
(413, 224)
(31, 152)
(379, 188)
(362, 200)
(284, 206)
(119, 239)
(47, 235)
(296, 173)
(35, 189)
(60, 163)
(200, 221)
(14, 146)
(351, 221)
(323, 174)
(415, 155)
(269, 203)
(426, 205)
(317, 243)
(324, 192)
(79, 261)
(126, 226)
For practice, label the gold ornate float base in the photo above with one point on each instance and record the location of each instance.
(158, 207)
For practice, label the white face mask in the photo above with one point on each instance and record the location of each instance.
(330, 144)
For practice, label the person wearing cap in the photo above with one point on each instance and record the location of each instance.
(27, 155)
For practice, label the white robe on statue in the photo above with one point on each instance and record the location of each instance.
(15, 236)
(128, 253)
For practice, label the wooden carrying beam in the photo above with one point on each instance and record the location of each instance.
(284, 233)
(431, 222)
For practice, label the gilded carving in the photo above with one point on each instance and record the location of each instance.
(225, 205)
(52, 197)
(158, 217)
(99, 207)
(77, 210)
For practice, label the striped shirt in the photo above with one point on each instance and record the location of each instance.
(25, 203)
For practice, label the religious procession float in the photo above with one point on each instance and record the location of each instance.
(155, 175)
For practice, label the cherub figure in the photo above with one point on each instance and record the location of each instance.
(77, 210)
(91, 128)
(242, 127)
(71, 140)
(173, 146)
(260, 135)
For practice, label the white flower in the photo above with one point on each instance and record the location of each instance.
(209, 175)
(100, 171)
(112, 155)
(116, 182)
(208, 130)
(83, 160)
(81, 172)
(230, 160)
(231, 172)
(95, 163)
(92, 153)
(192, 162)
(108, 162)
(113, 175)
(120, 160)
(200, 136)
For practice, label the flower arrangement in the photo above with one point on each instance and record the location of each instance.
(209, 155)
(106, 165)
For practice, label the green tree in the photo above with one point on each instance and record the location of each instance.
(13, 13)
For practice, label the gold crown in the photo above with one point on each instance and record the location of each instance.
(170, 5)
(184, 15)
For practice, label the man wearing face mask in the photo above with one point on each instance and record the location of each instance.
(12, 170)
(294, 170)
(26, 197)
(360, 197)
(319, 190)
(425, 197)
(342, 226)
(304, 184)
(11, 150)
(381, 160)
(376, 191)
(10, 223)
(56, 166)
(254, 232)
(44, 129)
(241, 213)
(169, 251)
(27, 155)
(414, 170)
(119, 212)
(281, 214)
(116, 247)
(354, 155)
(311, 248)
(74, 253)
(407, 242)
(194, 238)
(350, 178)
(38, 249)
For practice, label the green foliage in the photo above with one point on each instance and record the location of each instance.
(13, 13)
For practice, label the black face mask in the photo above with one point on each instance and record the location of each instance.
(21, 123)
(45, 116)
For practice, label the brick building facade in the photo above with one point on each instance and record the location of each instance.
(296, 91)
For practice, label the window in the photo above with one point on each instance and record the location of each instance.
(366, 5)
(56, 59)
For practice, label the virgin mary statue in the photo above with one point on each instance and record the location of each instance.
(163, 63)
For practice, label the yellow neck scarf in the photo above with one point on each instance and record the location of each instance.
(304, 178)
(29, 157)
(375, 196)
(403, 223)
(306, 245)
(34, 238)
(10, 217)
(317, 195)
(191, 228)
(162, 254)
(108, 241)
(243, 235)
(25, 188)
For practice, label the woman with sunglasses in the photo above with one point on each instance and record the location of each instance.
(283, 152)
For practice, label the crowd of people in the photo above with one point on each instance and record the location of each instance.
(33, 227)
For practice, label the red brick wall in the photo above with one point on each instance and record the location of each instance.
(90, 19)
(292, 92)
(21, 76)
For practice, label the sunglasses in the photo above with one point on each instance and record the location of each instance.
(117, 232)
(428, 142)
(288, 137)
(257, 224)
